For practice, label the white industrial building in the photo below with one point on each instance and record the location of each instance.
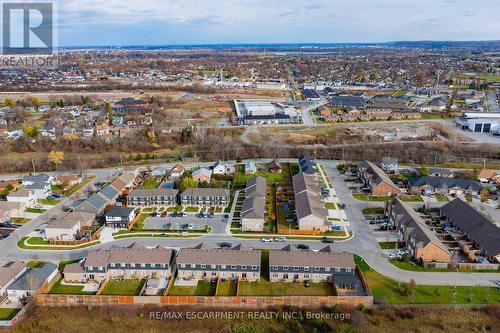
(486, 122)
(257, 111)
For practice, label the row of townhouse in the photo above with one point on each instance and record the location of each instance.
(376, 179)
(215, 197)
(428, 185)
(311, 213)
(253, 209)
(421, 242)
(205, 263)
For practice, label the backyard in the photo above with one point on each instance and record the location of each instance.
(123, 287)
(203, 288)
(60, 288)
(227, 288)
(7, 313)
(240, 178)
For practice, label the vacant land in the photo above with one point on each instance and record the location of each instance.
(123, 287)
(117, 319)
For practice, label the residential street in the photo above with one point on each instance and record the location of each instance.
(363, 242)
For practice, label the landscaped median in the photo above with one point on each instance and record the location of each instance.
(156, 234)
(38, 243)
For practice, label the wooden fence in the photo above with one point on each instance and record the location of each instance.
(258, 302)
(93, 238)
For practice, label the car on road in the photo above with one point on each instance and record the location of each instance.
(211, 215)
(174, 214)
(154, 214)
(303, 247)
(489, 201)
(280, 239)
(37, 206)
(402, 252)
(164, 214)
(266, 240)
(327, 240)
(183, 214)
(393, 256)
(190, 226)
(4, 235)
(225, 245)
(498, 282)
(6, 224)
(57, 196)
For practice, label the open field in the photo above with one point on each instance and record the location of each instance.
(113, 319)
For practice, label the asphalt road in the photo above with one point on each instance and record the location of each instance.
(363, 243)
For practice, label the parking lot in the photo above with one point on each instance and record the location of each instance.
(190, 222)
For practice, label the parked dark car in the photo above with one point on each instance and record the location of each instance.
(327, 240)
(154, 214)
(225, 245)
(303, 247)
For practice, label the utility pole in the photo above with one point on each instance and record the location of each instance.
(33, 164)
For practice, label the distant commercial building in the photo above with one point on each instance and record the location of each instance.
(486, 122)
(255, 112)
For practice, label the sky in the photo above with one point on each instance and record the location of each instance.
(166, 22)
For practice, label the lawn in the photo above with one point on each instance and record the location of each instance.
(35, 264)
(390, 245)
(191, 209)
(63, 264)
(19, 220)
(441, 197)
(37, 241)
(388, 290)
(205, 288)
(411, 198)
(329, 205)
(50, 202)
(151, 183)
(468, 197)
(373, 210)
(414, 267)
(367, 197)
(8, 314)
(227, 288)
(59, 288)
(240, 178)
(34, 210)
(123, 287)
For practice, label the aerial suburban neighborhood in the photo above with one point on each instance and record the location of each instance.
(198, 182)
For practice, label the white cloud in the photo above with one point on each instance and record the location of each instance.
(290, 20)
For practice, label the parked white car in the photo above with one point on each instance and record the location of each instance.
(393, 256)
(266, 240)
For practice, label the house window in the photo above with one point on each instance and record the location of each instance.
(275, 268)
(223, 266)
(285, 268)
(306, 268)
(183, 265)
(296, 268)
(132, 265)
(143, 265)
(203, 266)
(337, 269)
(243, 267)
(275, 275)
(254, 267)
(316, 269)
(123, 264)
(233, 267)
(348, 270)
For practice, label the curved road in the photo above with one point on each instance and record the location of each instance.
(363, 243)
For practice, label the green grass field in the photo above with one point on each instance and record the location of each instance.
(386, 290)
(35, 210)
(412, 198)
(205, 288)
(367, 197)
(123, 287)
(227, 288)
(441, 197)
(151, 183)
(7, 313)
(50, 202)
(373, 210)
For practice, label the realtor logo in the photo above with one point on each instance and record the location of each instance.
(28, 33)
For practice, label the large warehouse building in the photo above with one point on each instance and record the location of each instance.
(485, 122)
(256, 111)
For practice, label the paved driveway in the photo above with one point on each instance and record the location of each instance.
(217, 223)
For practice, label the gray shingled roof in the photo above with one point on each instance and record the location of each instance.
(378, 174)
(97, 201)
(134, 254)
(10, 271)
(210, 256)
(253, 207)
(109, 192)
(416, 226)
(326, 257)
(475, 225)
(206, 192)
(155, 192)
(34, 278)
(307, 197)
(438, 182)
(120, 211)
